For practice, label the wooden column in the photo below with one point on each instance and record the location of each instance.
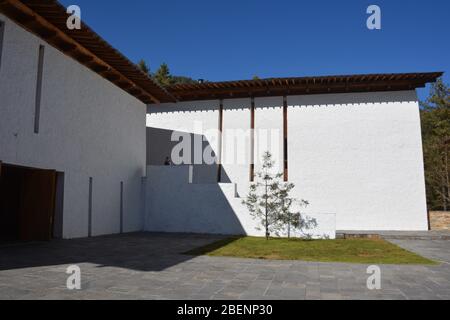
(285, 139)
(252, 141)
(219, 148)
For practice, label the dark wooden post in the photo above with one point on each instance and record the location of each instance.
(252, 141)
(219, 156)
(285, 139)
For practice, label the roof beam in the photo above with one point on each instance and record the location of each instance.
(303, 87)
(35, 23)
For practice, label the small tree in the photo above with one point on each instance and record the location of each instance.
(144, 67)
(289, 217)
(435, 116)
(182, 80)
(162, 76)
(273, 205)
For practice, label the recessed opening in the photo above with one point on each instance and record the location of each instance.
(31, 204)
(40, 70)
(2, 31)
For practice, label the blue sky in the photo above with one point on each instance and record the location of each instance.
(237, 39)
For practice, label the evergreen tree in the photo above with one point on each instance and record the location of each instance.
(182, 80)
(290, 218)
(435, 116)
(269, 201)
(143, 66)
(162, 76)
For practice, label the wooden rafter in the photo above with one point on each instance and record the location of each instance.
(305, 85)
(47, 19)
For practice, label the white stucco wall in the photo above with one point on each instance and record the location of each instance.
(174, 205)
(236, 142)
(360, 155)
(269, 131)
(88, 128)
(201, 120)
(197, 117)
(356, 155)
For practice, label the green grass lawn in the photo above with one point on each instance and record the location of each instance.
(364, 251)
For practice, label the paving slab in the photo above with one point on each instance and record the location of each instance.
(153, 266)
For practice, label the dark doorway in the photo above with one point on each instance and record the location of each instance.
(27, 203)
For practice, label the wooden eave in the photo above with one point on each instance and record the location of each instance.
(47, 19)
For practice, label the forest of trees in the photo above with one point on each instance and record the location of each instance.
(435, 115)
(162, 75)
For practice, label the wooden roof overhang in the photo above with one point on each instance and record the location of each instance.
(47, 19)
(302, 86)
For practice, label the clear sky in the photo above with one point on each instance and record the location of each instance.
(238, 39)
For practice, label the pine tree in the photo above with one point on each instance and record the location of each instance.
(162, 76)
(435, 116)
(269, 201)
(290, 218)
(143, 66)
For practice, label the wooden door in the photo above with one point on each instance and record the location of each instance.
(37, 205)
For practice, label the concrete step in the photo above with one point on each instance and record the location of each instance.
(395, 235)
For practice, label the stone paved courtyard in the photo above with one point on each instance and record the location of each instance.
(150, 266)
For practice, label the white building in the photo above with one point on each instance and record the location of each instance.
(356, 157)
(72, 113)
(73, 149)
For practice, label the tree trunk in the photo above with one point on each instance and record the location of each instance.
(444, 199)
(443, 192)
(289, 221)
(447, 175)
(267, 220)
